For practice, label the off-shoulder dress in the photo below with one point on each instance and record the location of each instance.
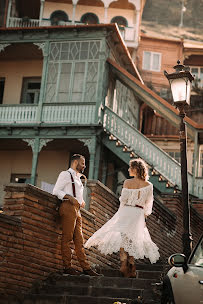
(127, 228)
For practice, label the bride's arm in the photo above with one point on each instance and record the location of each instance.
(149, 202)
(124, 195)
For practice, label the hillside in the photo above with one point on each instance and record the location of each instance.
(169, 13)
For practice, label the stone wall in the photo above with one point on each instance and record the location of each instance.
(30, 232)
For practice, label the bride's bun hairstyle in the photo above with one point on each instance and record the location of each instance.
(141, 168)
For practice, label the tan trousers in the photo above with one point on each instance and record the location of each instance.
(71, 221)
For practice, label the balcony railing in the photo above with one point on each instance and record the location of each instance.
(146, 149)
(23, 22)
(128, 33)
(18, 114)
(81, 114)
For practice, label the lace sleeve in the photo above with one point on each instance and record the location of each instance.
(124, 197)
(149, 202)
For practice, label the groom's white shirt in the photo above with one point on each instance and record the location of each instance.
(63, 185)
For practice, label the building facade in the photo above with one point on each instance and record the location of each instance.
(69, 84)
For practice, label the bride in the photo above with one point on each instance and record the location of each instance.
(126, 231)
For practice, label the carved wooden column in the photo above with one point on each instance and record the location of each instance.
(44, 46)
(74, 9)
(41, 11)
(36, 145)
(91, 144)
(9, 12)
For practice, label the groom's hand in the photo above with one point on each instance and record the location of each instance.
(72, 199)
(83, 204)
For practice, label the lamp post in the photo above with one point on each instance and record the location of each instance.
(180, 83)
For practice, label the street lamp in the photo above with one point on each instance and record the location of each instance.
(180, 82)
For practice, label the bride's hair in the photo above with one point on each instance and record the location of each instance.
(141, 168)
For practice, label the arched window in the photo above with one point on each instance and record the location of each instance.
(121, 21)
(57, 17)
(89, 18)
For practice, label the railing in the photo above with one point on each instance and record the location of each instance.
(51, 113)
(198, 187)
(128, 33)
(18, 114)
(146, 149)
(69, 113)
(23, 22)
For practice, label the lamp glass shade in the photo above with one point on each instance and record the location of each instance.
(181, 88)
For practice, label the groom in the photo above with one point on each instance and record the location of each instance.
(69, 189)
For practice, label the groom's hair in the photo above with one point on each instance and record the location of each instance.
(76, 157)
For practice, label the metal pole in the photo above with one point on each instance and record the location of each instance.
(186, 236)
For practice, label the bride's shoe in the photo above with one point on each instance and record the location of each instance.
(124, 262)
(131, 268)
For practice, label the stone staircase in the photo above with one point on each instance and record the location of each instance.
(161, 184)
(107, 289)
(130, 140)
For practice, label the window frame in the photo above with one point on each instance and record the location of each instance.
(198, 77)
(151, 61)
(26, 176)
(25, 90)
(120, 25)
(90, 14)
(2, 79)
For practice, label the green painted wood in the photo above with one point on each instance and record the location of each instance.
(152, 102)
(97, 160)
(144, 148)
(92, 152)
(22, 36)
(35, 151)
(43, 80)
(70, 113)
(104, 51)
(125, 157)
(62, 131)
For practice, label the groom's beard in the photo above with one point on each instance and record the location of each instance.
(80, 169)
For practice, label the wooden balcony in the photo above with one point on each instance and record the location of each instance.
(72, 113)
(22, 22)
(128, 33)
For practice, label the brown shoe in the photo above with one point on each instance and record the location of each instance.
(70, 271)
(91, 273)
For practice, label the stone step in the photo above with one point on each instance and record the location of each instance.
(69, 299)
(125, 157)
(144, 274)
(93, 291)
(115, 282)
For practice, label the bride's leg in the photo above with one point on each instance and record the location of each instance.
(131, 267)
(124, 262)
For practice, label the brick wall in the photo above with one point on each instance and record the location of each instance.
(30, 232)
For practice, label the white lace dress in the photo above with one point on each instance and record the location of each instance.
(127, 229)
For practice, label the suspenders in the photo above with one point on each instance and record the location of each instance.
(73, 184)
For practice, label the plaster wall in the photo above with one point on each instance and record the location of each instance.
(50, 7)
(21, 163)
(50, 164)
(14, 71)
(170, 52)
